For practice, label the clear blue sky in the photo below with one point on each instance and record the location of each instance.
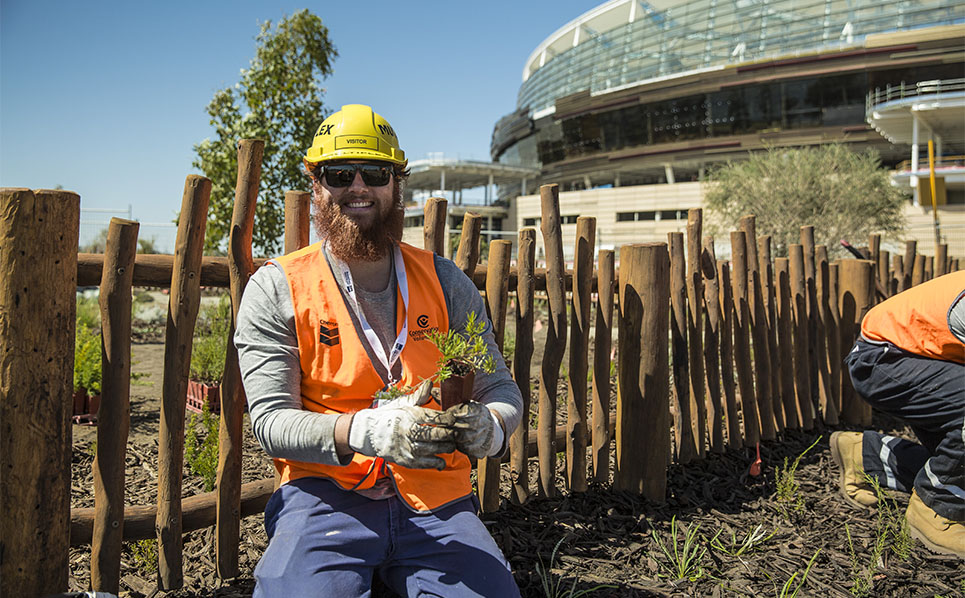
(107, 98)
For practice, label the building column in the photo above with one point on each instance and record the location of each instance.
(616, 180)
(442, 181)
(490, 191)
(668, 171)
(914, 159)
(522, 188)
(586, 181)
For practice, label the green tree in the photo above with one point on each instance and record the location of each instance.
(279, 100)
(843, 194)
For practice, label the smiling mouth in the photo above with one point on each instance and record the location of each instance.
(359, 204)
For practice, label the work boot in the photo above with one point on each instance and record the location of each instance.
(937, 533)
(846, 452)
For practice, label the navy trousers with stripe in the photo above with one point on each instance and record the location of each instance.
(929, 394)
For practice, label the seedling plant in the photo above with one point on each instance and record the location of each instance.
(682, 561)
(788, 496)
(554, 585)
(460, 353)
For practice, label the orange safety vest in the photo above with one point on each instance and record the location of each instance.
(338, 377)
(916, 320)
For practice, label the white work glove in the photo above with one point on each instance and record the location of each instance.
(402, 432)
(478, 432)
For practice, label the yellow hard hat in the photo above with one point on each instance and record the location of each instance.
(355, 132)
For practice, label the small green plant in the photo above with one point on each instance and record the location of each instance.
(87, 360)
(786, 590)
(88, 312)
(144, 553)
(461, 352)
(788, 496)
(211, 345)
(201, 454)
(554, 585)
(891, 529)
(860, 578)
(683, 562)
(737, 548)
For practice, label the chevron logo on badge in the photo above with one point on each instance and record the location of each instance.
(328, 333)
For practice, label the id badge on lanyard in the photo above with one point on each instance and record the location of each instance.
(373, 339)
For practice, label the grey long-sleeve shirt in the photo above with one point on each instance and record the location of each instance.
(268, 354)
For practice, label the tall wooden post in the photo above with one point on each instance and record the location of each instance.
(185, 299)
(799, 316)
(683, 415)
(467, 256)
(643, 415)
(758, 332)
(601, 366)
(770, 313)
(918, 271)
(434, 229)
(298, 219)
(114, 416)
(884, 269)
(828, 408)
(555, 336)
(834, 336)
(811, 300)
(734, 437)
(856, 296)
(497, 297)
(38, 286)
(522, 359)
(911, 248)
(230, 441)
(714, 407)
(742, 349)
(941, 259)
(792, 415)
(695, 326)
(576, 428)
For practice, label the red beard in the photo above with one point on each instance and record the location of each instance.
(347, 241)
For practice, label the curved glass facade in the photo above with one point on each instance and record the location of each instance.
(698, 34)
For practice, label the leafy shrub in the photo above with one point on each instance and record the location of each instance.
(87, 360)
(211, 342)
(201, 454)
(88, 312)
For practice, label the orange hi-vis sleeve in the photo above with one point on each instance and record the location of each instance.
(917, 319)
(338, 377)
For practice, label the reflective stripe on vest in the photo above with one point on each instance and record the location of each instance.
(338, 377)
(917, 319)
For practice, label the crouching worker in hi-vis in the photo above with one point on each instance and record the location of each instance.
(910, 362)
(369, 489)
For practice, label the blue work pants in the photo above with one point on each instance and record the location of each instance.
(325, 541)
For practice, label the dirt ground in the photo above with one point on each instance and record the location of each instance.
(606, 542)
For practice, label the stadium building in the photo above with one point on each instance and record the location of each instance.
(629, 104)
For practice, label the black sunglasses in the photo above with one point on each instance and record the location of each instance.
(342, 175)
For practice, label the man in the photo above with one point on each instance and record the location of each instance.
(368, 488)
(910, 362)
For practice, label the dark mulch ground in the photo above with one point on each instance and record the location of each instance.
(603, 537)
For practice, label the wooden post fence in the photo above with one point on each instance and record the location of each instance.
(230, 441)
(576, 426)
(712, 350)
(643, 414)
(601, 366)
(183, 308)
(298, 209)
(742, 349)
(434, 229)
(114, 415)
(38, 259)
(522, 359)
(856, 294)
(555, 336)
(682, 414)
